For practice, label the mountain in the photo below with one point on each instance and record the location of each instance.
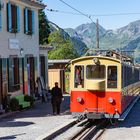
(87, 33)
(79, 45)
(126, 38)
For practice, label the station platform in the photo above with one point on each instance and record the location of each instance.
(33, 123)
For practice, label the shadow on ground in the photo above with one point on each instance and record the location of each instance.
(10, 137)
(15, 124)
(41, 110)
(133, 118)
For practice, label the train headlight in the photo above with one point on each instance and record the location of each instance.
(96, 60)
(110, 100)
(79, 99)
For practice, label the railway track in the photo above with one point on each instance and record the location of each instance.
(90, 130)
(80, 131)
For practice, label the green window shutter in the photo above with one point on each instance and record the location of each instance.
(9, 17)
(26, 21)
(18, 18)
(33, 22)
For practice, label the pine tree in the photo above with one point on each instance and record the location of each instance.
(44, 28)
(64, 48)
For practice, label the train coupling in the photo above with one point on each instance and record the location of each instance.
(95, 115)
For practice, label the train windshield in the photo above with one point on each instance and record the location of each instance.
(95, 71)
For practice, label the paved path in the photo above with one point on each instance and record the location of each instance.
(31, 124)
(127, 130)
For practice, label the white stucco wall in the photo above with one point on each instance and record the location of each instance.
(29, 43)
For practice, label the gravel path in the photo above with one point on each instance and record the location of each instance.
(126, 130)
(32, 123)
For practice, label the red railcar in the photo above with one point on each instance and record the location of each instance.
(103, 86)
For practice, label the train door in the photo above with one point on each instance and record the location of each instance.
(112, 85)
(95, 79)
(31, 75)
(78, 95)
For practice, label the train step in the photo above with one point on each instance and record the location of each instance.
(126, 112)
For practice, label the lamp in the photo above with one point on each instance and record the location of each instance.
(21, 51)
(96, 60)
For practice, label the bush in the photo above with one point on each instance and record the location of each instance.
(30, 99)
(14, 104)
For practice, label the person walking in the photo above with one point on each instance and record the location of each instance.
(56, 98)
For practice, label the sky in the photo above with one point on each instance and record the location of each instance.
(91, 8)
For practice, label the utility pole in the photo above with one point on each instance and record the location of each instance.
(97, 34)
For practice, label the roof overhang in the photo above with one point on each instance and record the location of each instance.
(58, 61)
(46, 47)
(43, 50)
(34, 3)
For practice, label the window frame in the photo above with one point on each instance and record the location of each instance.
(29, 19)
(14, 78)
(107, 77)
(96, 78)
(83, 82)
(13, 17)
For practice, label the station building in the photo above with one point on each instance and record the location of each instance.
(57, 73)
(19, 47)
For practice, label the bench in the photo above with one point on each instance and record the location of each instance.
(22, 102)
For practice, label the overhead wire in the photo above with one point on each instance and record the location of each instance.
(86, 15)
(89, 16)
(64, 12)
(96, 15)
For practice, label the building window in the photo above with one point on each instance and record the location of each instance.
(29, 21)
(13, 18)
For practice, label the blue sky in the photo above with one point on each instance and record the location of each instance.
(93, 7)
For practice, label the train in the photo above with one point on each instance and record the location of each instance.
(103, 85)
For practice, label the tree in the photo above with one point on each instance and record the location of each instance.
(64, 48)
(44, 28)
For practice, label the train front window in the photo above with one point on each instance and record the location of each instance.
(112, 77)
(79, 76)
(95, 72)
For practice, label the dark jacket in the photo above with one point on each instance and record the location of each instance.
(56, 93)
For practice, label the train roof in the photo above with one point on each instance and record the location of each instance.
(106, 54)
(97, 56)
